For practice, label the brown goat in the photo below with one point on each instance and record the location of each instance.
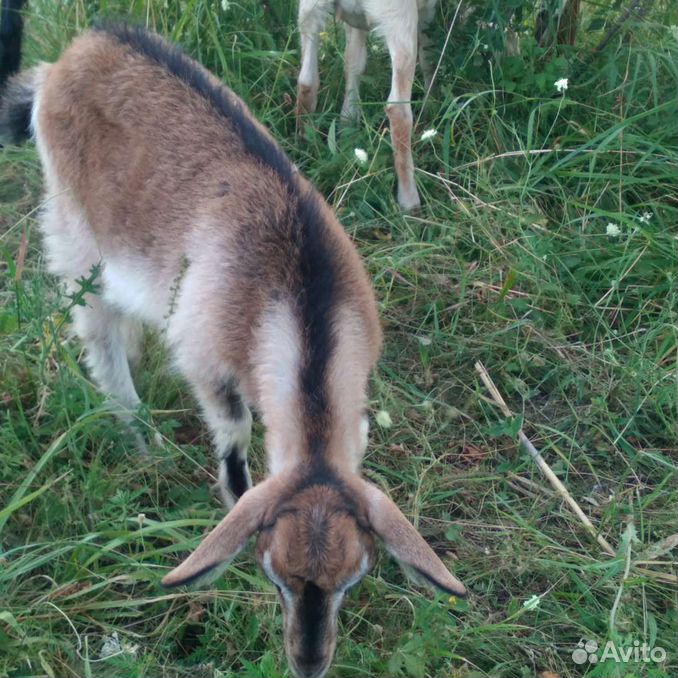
(202, 228)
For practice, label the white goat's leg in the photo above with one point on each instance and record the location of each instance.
(230, 422)
(426, 14)
(354, 67)
(311, 19)
(424, 64)
(402, 47)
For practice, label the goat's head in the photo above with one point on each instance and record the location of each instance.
(314, 542)
(317, 547)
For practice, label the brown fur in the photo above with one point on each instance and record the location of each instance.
(147, 174)
(147, 187)
(317, 537)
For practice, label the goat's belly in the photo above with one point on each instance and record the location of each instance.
(353, 17)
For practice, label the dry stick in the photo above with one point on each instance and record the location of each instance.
(555, 481)
(543, 466)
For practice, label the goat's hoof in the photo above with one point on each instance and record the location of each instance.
(410, 204)
(349, 115)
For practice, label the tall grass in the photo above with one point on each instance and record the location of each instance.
(546, 249)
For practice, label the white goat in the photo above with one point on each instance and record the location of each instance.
(400, 23)
(203, 228)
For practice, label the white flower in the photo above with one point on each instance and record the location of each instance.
(110, 646)
(383, 418)
(225, 5)
(113, 646)
(532, 602)
(428, 134)
(645, 217)
(561, 85)
(613, 230)
(360, 155)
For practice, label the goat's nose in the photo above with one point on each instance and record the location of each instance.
(316, 669)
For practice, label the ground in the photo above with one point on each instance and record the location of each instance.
(546, 250)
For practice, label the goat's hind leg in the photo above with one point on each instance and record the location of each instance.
(311, 19)
(354, 66)
(107, 335)
(110, 337)
(426, 15)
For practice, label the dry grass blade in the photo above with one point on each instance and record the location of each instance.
(541, 463)
(556, 482)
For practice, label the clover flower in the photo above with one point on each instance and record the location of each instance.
(383, 418)
(360, 155)
(613, 230)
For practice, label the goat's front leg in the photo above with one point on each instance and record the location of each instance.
(354, 67)
(403, 50)
(312, 17)
(230, 422)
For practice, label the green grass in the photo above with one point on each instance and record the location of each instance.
(509, 264)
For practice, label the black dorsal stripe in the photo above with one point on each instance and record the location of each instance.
(191, 73)
(318, 298)
(317, 293)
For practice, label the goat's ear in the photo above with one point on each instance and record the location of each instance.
(405, 544)
(228, 538)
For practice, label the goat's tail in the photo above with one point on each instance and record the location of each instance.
(11, 31)
(16, 105)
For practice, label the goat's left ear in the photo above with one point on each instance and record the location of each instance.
(405, 544)
(228, 538)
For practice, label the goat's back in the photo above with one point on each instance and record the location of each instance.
(146, 155)
(170, 168)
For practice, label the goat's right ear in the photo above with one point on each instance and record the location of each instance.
(405, 544)
(228, 538)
